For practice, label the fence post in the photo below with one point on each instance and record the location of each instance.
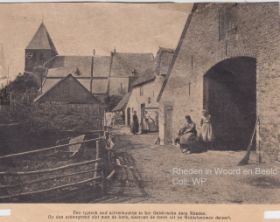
(96, 166)
(96, 157)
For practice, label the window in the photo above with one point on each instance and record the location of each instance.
(149, 100)
(141, 91)
(227, 21)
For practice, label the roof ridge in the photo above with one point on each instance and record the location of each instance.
(60, 82)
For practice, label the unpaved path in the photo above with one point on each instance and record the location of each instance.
(149, 175)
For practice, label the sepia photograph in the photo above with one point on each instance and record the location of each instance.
(175, 103)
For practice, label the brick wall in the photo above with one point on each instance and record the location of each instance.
(251, 30)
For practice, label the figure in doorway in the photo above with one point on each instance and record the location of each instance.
(135, 123)
(206, 133)
(145, 123)
(187, 135)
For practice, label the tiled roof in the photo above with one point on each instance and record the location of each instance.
(61, 65)
(129, 64)
(148, 76)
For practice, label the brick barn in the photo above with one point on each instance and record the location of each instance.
(227, 61)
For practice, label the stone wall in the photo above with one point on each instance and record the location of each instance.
(217, 32)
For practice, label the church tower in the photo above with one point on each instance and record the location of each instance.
(40, 49)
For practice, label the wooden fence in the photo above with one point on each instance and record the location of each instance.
(17, 184)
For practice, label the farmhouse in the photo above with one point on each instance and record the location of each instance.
(227, 61)
(103, 76)
(145, 89)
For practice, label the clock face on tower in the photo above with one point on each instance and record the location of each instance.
(29, 55)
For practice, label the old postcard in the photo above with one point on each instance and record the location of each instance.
(139, 112)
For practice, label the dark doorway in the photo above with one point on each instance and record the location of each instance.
(128, 116)
(230, 97)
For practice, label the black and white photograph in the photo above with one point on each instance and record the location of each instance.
(108, 103)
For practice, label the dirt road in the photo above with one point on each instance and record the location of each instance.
(162, 174)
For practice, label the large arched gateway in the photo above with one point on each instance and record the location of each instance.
(230, 97)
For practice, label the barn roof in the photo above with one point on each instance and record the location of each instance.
(99, 86)
(49, 83)
(121, 105)
(41, 39)
(58, 82)
(129, 64)
(60, 66)
(148, 76)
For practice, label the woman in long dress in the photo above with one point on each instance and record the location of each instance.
(145, 123)
(206, 134)
(135, 123)
(187, 135)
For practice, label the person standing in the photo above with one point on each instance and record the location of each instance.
(145, 124)
(206, 133)
(135, 123)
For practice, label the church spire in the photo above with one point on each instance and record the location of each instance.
(42, 40)
(40, 49)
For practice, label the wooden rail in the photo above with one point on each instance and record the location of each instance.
(94, 169)
(50, 170)
(48, 148)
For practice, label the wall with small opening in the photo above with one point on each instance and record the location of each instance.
(251, 31)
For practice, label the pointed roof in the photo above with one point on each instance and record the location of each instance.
(41, 39)
(71, 96)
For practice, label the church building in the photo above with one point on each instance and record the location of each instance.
(103, 76)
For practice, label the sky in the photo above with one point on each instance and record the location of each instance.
(78, 28)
